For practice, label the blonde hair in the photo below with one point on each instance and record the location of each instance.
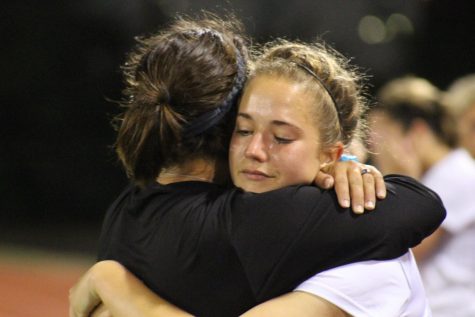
(408, 98)
(337, 87)
(461, 95)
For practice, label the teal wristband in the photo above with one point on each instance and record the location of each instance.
(348, 157)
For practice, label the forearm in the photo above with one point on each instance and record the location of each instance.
(121, 292)
(420, 210)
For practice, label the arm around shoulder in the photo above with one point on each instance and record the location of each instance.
(420, 209)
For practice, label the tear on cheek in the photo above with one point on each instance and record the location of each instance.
(274, 157)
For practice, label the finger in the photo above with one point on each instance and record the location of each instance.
(380, 185)
(342, 185)
(369, 191)
(324, 180)
(101, 311)
(356, 189)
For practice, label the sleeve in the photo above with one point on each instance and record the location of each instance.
(369, 288)
(107, 224)
(285, 236)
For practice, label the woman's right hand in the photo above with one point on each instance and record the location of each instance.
(356, 184)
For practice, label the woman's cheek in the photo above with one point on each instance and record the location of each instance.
(291, 166)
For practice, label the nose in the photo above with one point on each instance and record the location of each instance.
(256, 149)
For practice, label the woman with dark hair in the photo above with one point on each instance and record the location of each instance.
(219, 251)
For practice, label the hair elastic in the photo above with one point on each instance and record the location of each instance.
(211, 118)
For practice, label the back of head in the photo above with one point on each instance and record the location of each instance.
(461, 95)
(327, 75)
(181, 87)
(409, 98)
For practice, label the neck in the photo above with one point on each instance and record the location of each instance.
(194, 170)
(433, 154)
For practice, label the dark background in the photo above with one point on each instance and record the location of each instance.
(60, 63)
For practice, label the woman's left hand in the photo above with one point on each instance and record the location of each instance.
(357, 185)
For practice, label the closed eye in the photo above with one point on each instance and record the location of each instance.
(283, 140)
(243, 132)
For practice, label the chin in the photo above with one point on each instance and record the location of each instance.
(253, 188)
(256, 190)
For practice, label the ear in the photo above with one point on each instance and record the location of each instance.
(419, 126)
(331, 154)
(419, 133)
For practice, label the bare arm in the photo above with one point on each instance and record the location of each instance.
(108, 289)
(123, 294)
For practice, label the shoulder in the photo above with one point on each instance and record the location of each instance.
(409, 195)
(288, 196)
(406, 189)
(458, 166)
(298, 200)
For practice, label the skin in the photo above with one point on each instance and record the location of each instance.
(274, 130)
(109, 277)
(393, 148)
(276, 143)
(411, 152)
(466, 130)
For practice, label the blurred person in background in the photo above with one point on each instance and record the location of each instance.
(460, 98)
(413, 133)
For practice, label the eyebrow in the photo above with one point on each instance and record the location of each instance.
(274, 122)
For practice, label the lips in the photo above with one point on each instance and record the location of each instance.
(255, 175)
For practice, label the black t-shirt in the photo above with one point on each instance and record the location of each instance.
(218, 252)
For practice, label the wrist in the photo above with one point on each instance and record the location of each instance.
(348, 157)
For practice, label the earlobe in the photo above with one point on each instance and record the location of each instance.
(338, 151)
(419, 126)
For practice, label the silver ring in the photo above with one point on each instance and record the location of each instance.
(364, 171)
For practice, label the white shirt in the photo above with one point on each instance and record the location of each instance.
(373, 288)
(449, 275)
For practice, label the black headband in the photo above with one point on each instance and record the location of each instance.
(211, 118)
(311, 72)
